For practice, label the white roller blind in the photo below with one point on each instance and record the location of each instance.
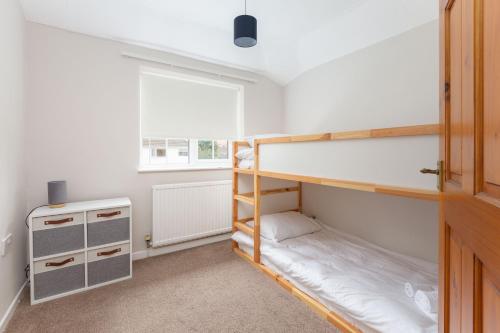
(178, 108)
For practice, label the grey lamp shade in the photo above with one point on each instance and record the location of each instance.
(57, 192)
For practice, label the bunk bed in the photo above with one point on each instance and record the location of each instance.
(325, 159)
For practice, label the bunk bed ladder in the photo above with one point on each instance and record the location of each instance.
(234, 244)
(254, 198)
(256, 210)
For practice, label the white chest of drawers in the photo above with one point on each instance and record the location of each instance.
(80, 246)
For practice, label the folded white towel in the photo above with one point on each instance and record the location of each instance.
(245, 154)
(411, 288)
(246, 164)
(427, 302)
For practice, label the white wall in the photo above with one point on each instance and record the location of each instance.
(12, 184)
(368, 23)
(83, 113)
(392, 83)
(403, 225)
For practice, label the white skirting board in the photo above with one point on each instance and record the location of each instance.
(179, 247)
(12, 307)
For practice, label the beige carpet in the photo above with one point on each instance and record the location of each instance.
(206, 289)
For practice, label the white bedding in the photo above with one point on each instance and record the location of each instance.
(358, 280)
(246, 164)
(245, 158)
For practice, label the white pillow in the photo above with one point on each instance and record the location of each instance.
(246, 164)
(245, 154)
(251, 139)
(281, 226)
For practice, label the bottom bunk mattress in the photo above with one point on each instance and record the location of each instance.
(360, 281)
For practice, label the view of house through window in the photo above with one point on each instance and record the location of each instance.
(187, 122)
(160, 151)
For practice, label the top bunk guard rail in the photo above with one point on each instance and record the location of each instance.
(417, 130)
(392, 132)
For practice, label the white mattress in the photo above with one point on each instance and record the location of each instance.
(356, 279)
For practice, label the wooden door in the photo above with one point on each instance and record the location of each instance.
(470, 149)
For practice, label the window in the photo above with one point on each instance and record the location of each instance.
(215, 150)
(158, 151)
(179, 153)
(206, 150)
(154, 151)
(187, 122)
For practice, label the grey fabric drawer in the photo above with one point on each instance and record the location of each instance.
(58, 240)
(106, 232)
(59, 281)
(108, 269)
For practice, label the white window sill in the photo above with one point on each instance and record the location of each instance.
(153, 169)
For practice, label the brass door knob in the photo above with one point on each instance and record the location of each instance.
(431, 171)
(439, 172)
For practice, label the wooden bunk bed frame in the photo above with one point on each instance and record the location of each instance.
(254, 198)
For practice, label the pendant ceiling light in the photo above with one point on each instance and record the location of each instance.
(245, 30)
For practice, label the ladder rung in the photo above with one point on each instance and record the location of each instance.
(250, 218)
(245, 171)
(245, 228)
(244, 255)
(246, 198)
(245, 220)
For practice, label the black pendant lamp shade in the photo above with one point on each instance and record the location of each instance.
(245, 30)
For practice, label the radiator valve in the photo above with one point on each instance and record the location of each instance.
(147, 238)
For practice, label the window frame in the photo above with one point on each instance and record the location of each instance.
(197, 160)
(193, 162)
(149, 149)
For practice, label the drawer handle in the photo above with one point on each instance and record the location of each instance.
(109, 214)
(108, 253)
(57, 264)
(66, 220)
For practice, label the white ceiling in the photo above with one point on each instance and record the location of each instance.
(293, 35)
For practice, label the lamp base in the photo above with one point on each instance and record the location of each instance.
(57, 206)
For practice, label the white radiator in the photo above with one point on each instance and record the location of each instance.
(183, 212)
